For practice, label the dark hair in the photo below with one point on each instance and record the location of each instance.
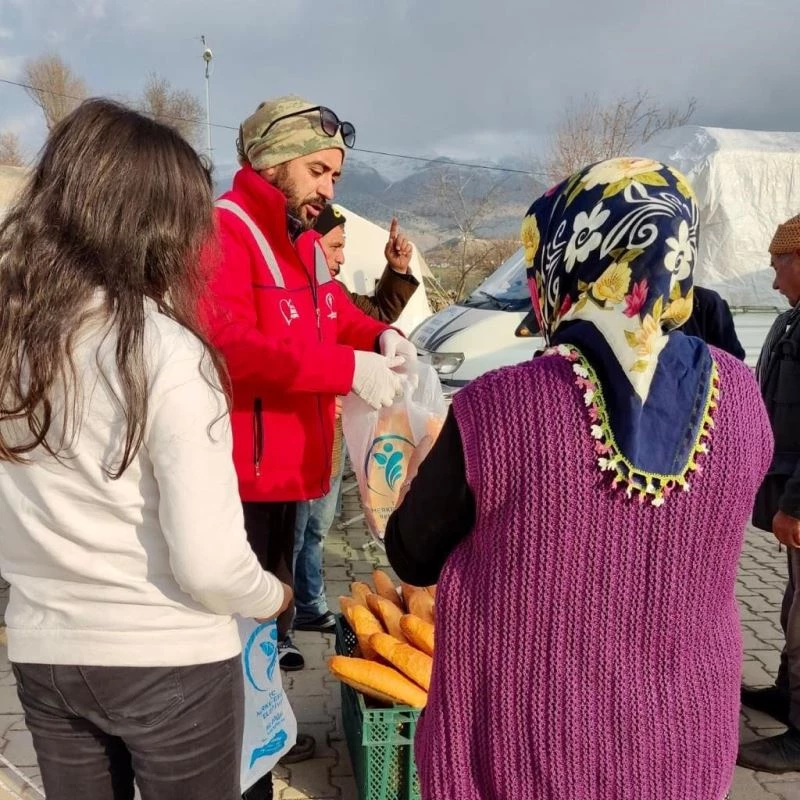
(117, 203)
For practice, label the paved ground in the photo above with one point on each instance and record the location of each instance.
(315, 696)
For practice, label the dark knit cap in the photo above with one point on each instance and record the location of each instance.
(329, 218)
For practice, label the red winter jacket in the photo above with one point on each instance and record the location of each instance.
(287, 333)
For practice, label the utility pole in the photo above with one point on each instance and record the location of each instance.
(208, 57)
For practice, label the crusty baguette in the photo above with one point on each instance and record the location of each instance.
(377, 680)
(421, 604)
(360, 590)
(388, 613)
(418, 632)
(406, 590)
(365, 623)
(411, 662)
(346, 604)
(385, 588)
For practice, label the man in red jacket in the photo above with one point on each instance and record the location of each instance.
(291, 339)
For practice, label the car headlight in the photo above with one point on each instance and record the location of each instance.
(443, 363)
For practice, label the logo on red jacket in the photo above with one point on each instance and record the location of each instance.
(329, 303)
(288, 311)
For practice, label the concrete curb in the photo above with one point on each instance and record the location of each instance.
(13, 787)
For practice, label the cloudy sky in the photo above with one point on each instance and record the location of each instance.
(464, 78)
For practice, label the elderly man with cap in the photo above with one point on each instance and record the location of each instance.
(777, 507)
(396, 284)
(291, 338)
(314, 518)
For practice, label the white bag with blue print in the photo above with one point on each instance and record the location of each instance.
(270, 727)
(384, 444)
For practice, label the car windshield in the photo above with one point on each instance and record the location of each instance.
(505, 289)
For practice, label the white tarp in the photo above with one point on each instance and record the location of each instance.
(747, 183)
(364, 264)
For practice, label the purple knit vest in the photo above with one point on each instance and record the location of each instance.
(587, 645)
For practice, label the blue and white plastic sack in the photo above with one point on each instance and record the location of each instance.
(270, 727)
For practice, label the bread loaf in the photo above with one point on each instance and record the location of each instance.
(364, 624)
(418, 632)
(346, 605)
(385, 588)
(388, 613)
(378, 681)
(360, 590)
(411, 662)
(421, 603)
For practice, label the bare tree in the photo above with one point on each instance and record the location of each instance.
(54, 87)
(10, 150)
(177, 108)
(590, 131)
(465, 211)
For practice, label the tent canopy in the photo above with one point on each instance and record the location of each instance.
(747, 183)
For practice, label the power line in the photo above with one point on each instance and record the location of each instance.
(428, 160)
(449, 163)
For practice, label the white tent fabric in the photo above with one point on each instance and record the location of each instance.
(747, 183)
(364, 264)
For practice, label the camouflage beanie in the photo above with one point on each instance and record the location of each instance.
(290, 138)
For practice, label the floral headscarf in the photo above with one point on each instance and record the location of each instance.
(610, 254)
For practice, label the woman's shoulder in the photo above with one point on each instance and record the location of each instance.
(174, 354)
(734, 375)
(544, 375)
(166, 339)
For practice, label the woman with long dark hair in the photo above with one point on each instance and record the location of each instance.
(122, 530)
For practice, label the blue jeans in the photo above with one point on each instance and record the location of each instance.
(314, 520)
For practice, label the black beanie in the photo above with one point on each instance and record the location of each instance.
(329, 218)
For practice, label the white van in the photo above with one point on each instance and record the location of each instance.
(496, 327)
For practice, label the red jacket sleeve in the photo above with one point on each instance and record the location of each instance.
(254, 359)
(355, 328)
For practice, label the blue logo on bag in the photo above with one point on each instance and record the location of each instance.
(261, 656)
(391, 453)
(274, 745)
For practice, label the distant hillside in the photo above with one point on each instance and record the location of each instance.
(415, 199)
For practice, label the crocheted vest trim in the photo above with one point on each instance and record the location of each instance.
(624, 476)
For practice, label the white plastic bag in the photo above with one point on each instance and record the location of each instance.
(270, 728)
(382, 443)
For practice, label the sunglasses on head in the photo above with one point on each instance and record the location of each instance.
(328, 121)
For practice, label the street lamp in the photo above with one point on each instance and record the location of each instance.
(208, 56)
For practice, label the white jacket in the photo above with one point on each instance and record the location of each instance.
(145, 570)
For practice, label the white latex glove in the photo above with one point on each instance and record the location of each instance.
(373, 379)
(393, 344)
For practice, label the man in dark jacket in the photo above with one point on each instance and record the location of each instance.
(315, 517)
(712, 322)
(396, 285)
(777, 507)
